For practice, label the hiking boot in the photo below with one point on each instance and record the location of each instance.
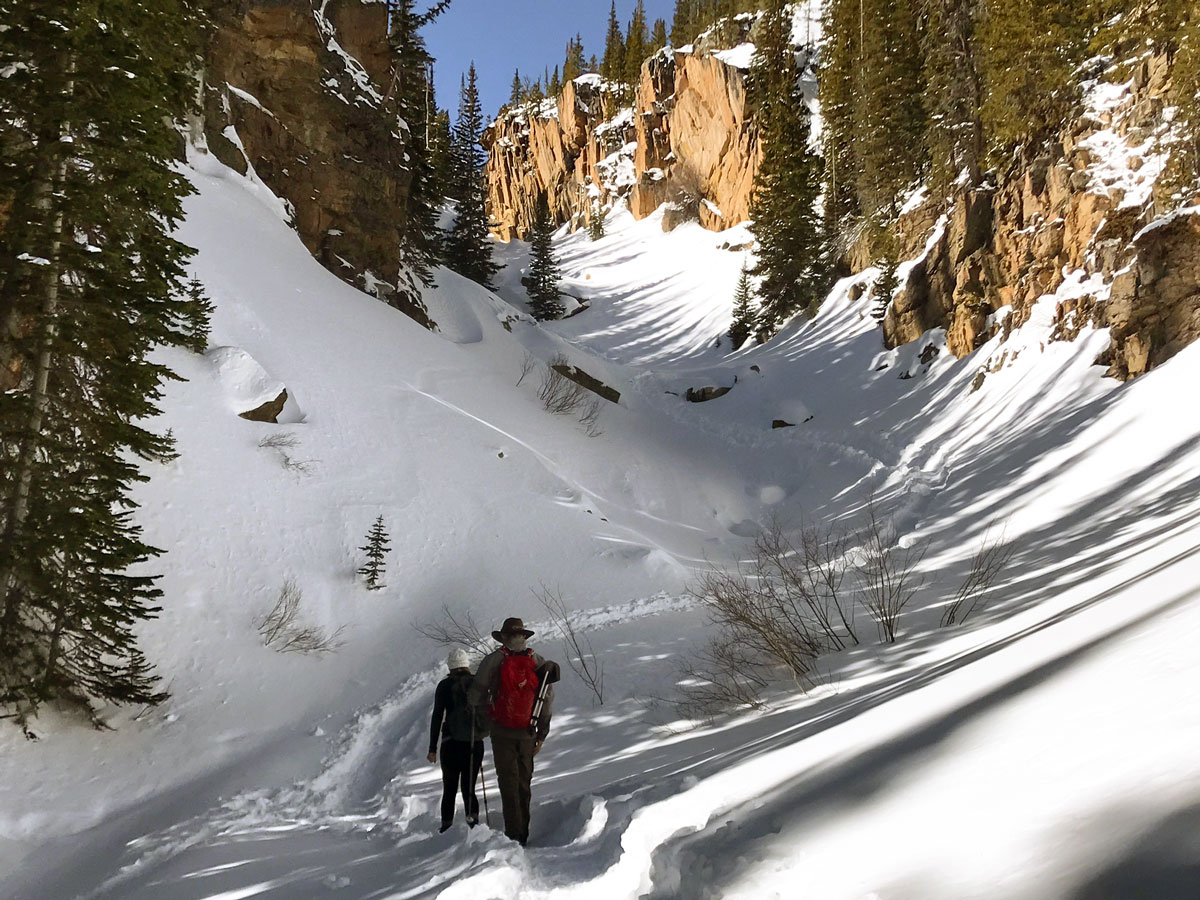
(472, 821)
(445, 827)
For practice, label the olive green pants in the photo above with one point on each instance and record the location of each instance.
(513, 758)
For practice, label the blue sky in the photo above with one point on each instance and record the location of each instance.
(502, 35)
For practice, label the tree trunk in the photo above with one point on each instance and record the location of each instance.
(19, 509)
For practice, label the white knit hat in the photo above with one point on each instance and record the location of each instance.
(457, 660)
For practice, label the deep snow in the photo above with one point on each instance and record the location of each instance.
(1046, 750)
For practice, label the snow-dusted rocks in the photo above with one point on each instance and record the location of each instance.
(249, 390)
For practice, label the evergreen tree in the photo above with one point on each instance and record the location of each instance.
(376, 548)
(544, 273)
(421, 246)
(517, 89)
(885, 286)
(91, 281)
(596, 219)
(574, 65)
(792, 255)
(555, 84)
(889, 116)
(743, 310)
(836, 84)
(1029, 53)
(681, 23)
(637, 45)
(658, 37)
(613, 66)
(469, 245)
(953, 92)
(439, 153)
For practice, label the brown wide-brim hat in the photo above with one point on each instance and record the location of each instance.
(511, 627)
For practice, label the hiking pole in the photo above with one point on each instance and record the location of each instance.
(487, 813)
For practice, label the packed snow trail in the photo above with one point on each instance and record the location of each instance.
(987, 761)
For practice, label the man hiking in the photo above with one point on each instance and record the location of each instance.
(507, 684)
(462, 731)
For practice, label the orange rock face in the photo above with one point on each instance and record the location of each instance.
(303, 98)
(686, 140)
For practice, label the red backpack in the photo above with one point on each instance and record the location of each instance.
(516, 690)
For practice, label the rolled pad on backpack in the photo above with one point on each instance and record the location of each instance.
(547, 674)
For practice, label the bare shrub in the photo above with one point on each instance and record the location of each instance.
(282, 629)
(723, 677)
(279, 440)
(581, 656)
(888, 578)
(989, 561)
(787, 605)
(457, 630)
(558, 393)
(589, 418)
(528, 364)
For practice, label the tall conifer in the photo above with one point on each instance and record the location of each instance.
(469, 245)
(743, 310)
(637, 45)
(613, 66)
(421, 246)
(91, 281)
(792, 253)
(544, 273)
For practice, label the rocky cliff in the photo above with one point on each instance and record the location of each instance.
(686, 141)
(297, 92)
(1079, 223)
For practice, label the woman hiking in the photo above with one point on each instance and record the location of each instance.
(462, 731)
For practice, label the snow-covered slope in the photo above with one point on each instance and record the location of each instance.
(1045, 751)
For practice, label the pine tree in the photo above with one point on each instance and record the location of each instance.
(574, 65)
(469, 245)
(517, 89)
(91, 281)
(658, 36)
(792, 252)
(681, 23)
(544, 274)
(376, 548)
(416, 108)
(743, 310)
(1029, 52)
(889, 115)
(885, 287)
(439, 153)
(836, 84)
(555, 84)
(953, 92)
(613, 66)
(596, 219)
(637, 46)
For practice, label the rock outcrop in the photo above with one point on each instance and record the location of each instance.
(1081, 212)
(687, 141)
(298, 92)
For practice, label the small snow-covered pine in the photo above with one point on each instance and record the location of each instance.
(376, 548)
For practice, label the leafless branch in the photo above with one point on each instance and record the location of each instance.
(528, 364)
(457, 630)
(559, 394)
(989, 561)
(581, 656)
(887, 573)
(282, 629)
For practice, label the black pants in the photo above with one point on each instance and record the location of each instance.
(461, 763)
(514, 774)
